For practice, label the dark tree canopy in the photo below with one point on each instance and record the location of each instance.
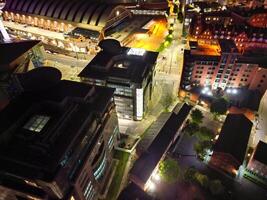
(169, 170)
(197, 116)
(219, 106)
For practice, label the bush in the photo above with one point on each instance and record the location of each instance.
(216, 187)
(169, 170)
(192, 128)
(219, 106)
(197, 116)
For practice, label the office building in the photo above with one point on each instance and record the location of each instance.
(129, 70)
(56, 138)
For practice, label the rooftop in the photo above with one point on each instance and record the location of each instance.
(34, 125)
(227, 46)
(148, 161)
(260, 153)
(120, 62)
(234, 136)
(10, 51)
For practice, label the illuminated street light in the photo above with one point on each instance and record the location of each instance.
(151, 186)
(234, 91)
(156, 177)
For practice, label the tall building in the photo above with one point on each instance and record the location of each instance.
(56, 138)
(129, 70)
(230, 149)
(222, 66)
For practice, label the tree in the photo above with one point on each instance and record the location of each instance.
(169, 170)
(192, 128)
(197, 116)
(189, 174)
(216, 187)
(202, 179)
(204, 134)
(219, 106)
(201, 148)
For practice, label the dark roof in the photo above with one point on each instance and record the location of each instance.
(10, 51)
(39, 78)
(86, 12)
(192, 57)
(133, 192)
(147, 162)
(260, 153)
(118, 64)
(227, 46)
(39, 155)
(234, 136)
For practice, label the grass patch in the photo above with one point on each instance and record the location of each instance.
(117, 178)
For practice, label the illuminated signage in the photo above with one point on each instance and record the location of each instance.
(139, 103)
(136, 52)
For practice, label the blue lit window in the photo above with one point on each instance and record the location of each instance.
(36, 123)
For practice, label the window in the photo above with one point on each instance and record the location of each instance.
(36, 123)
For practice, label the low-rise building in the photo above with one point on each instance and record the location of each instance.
(57, 138)
(230, 148)
(129, 70)
(258, 162)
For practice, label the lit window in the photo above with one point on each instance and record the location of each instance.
(36, 123)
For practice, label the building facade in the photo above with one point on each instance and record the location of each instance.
(128, 70)
(222, 66)
(57, 139)
(69, 25)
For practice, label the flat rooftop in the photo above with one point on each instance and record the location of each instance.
(148, 161)
(9, 51)
(38, 127)
(120, 62)
(234, 136)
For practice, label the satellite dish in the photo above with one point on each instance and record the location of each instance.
(2, 4)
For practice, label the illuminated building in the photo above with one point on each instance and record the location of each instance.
(65, 22)
(129, 70)
(257, 165)
(245, 27)
(57, 138)
(143, 172)
(230, 149)
(224, 67)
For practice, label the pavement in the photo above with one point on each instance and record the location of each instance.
(241, 189)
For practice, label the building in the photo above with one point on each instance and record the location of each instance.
(56, 138)
(130, 71)
(71, 25)
(222, 66)
(17, 57)
(261, 122)
(146, 165)
(258, 163)
(230, 148)
(245, 26)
